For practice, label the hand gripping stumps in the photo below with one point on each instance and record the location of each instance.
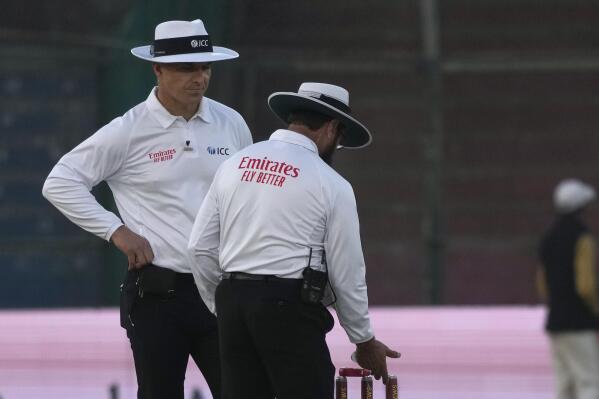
(391, 389)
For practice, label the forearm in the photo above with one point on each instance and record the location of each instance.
(74, 200)
(203, 248)
(347, 271)
(206, 273)
(352, 310)
(585, 272)
(587, 291)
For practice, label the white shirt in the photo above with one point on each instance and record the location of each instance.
(157, 184)
(268, 205)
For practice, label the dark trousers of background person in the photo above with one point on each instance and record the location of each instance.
(164, 330)
(272, 344)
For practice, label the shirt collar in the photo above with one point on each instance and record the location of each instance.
(166, 119)
(204, 111)
(292, 137)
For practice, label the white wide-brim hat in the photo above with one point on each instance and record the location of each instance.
(182, 41)
(571, 195)
(326, 99)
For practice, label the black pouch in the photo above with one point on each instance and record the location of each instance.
(156, 280)
(313, 286)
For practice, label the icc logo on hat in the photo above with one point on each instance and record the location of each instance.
(218, 150)
(199, 43)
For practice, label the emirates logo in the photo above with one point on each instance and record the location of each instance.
(280, 171)
(162, 155)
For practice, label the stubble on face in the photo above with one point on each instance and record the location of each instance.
(329, 151)
(181, 86)
(190, 80)
(327, 154)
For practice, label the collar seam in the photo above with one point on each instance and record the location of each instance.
(291, 137)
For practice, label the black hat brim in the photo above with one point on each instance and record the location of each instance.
(355, 136)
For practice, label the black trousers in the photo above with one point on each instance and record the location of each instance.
(272, 344)
(164, 331)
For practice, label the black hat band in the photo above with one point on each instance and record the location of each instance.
(181, 45)
(332, 102)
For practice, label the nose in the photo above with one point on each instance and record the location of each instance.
(201, 74)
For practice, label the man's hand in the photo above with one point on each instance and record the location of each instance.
(372, 355)
(137, 249)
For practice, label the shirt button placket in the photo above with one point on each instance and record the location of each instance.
(189, 143)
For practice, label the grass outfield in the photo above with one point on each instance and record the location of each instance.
(447, 353)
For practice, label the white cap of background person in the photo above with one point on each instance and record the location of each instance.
(571, 195)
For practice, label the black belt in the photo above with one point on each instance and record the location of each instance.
(255, 277)
(161, 281)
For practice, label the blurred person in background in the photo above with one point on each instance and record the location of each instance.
(158, 159)
(278, 228)
(567, 282)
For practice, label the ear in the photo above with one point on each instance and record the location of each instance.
(157, 68)
(336, 134)
(332, 128)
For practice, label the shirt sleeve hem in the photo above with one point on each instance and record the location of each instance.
(361, 340)
(111, 230)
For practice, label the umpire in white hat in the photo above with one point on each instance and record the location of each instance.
(158, 159)
(277, 231)
(567, 280)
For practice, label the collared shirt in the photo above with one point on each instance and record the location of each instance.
(269, 205)
(159, 168)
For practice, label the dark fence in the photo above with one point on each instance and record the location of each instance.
(478, 108)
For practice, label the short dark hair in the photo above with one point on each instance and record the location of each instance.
(312, 120)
